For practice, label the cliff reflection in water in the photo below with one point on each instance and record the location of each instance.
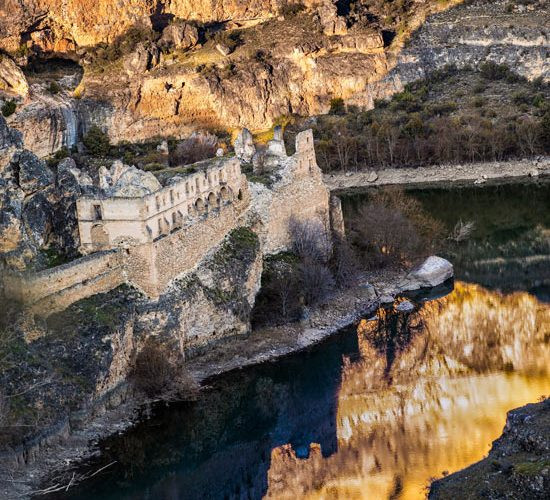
(428, 394)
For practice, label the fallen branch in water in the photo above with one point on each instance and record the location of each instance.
(72, 482)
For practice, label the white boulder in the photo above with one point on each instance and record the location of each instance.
(434, 271)
(124, 181)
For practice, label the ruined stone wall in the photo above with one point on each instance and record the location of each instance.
(182, 250)
(106, 223)
(301, 194)
(55, 289)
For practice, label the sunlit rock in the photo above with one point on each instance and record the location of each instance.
(434, 271)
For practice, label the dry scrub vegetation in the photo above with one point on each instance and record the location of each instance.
(453, 116)
(159, 373)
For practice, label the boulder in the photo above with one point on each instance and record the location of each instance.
(181, 36)
(12, 78)
(373, 177)
(71, 181)
(131, 182)
(142, 59)
(223, 49)
(34, 174)
(331, 22)
(37, 217)
(434, 271)
(244, 145)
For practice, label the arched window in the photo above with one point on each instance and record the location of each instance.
(212, 200)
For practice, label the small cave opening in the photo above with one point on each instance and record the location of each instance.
(64, 72)
(343, 7)
(387, 37)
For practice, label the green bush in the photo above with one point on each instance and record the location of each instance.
(154, 167)
(493, 71)
(59, 155)
(97, 141)
(478, 102)
(54, 88)
(337, 106)
(8, 108)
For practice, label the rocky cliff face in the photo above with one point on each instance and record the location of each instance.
(507, 33)
(62, 26)
(263, 60)
(36, 204)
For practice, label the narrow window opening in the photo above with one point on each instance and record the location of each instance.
(97, 212)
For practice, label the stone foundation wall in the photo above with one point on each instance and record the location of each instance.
(67, 283)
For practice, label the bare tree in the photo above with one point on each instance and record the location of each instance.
(197, 147)
(310, 239)
(345, 264)
(316, 281)
(528, 133)
(159, 373)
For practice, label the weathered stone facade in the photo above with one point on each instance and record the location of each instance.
(149, 241)
(300, 193)
(106, 223)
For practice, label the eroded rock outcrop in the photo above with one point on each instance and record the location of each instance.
(12, 78)
(35, 203)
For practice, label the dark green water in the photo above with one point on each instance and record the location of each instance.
(512, 224)
(220, 446)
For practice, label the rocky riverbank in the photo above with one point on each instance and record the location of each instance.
(442, 175)
(518, 465)
(74, 441)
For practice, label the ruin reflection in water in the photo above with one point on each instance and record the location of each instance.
(433, 406)
(373, 413)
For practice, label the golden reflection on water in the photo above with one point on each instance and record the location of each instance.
(433, 407)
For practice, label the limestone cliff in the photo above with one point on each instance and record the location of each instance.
(140, 83)
(150, 71)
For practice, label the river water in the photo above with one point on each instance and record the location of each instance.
(379, 409)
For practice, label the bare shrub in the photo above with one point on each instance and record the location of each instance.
(310, 239)
(159, 375)
(197, 147)
(316, 282)
(279, 298)
(392, 229)
(462, 231)
(345, 264)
